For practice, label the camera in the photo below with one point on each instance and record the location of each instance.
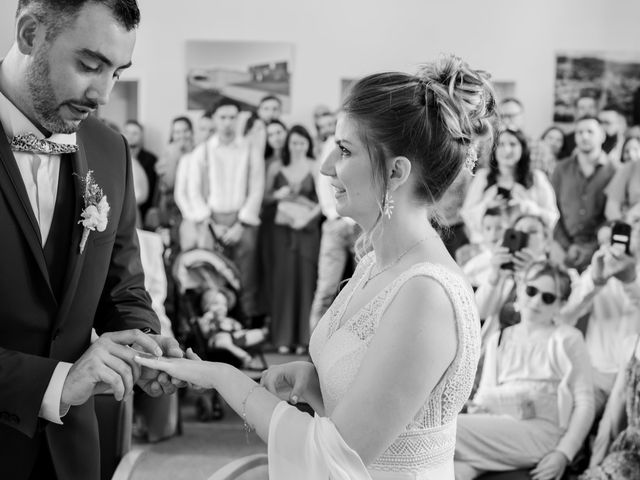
(514, 240)
(621, 234)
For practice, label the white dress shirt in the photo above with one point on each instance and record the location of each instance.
(234, 176)
(40, 176)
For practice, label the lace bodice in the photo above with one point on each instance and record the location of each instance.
(338, 350)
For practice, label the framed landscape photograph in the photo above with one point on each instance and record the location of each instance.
(612, 78)
(242, 71)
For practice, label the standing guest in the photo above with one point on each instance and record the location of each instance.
(65, 276)
(224, 189)
(296, 240)
(204, 127)
(512, 114)
(586, 105)
(579, 183)
(614, 125)
(545, 153)
(623, 192)
(534, 405)
(269, 108)
(511, 184)
(276, 139)
(337, 244)
(325, 124)
(394, 357)
(143, 159)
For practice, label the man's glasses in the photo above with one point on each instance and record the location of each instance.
(547, 298)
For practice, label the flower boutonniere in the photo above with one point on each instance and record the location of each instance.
(96, 209)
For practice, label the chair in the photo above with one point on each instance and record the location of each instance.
(251, 467)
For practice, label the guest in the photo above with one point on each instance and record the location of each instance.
(586, 105)
(615, 449)
(606, 303)
(223, 195)
(579, 183)
(614, 125)
(141, 159)
(337, 244)
(509, 183)
(534, 405)
(545, 153)
(296, 240)
(512, 114)
(475, 259)
(623, 192)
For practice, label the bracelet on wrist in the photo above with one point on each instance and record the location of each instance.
(248, 428)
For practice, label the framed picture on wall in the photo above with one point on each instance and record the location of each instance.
(612, 78)
(242, 71)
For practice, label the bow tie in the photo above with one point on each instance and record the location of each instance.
(32, 144)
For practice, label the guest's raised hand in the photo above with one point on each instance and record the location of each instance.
(282, 192)
(522, 259)
(623, 265)
(491, 197)
(107, 365)
(154, 382)
(551, 467)
(499, 257)
(290, 381)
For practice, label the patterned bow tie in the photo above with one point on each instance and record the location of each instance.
(32, 144)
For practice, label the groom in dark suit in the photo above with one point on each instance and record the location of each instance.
(61, 277)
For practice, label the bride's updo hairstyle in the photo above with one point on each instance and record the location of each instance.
(433, 118)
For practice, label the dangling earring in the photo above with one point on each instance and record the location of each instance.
(387, 208)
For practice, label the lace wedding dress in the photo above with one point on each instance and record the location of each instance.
(424, 450)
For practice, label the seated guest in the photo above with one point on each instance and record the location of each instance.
(534, 405)
(616, 449)
(607, 295)
(509, 183)
(496, 294)
(624, 189)
(579, 183)
(475, 259)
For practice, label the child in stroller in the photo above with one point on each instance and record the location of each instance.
(208, 284)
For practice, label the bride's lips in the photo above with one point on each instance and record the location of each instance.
(337, 191)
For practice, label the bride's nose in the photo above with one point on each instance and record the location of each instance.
(328, 166)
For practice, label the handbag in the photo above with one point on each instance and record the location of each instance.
(293, 210)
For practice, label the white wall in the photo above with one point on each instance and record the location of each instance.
(334, 39)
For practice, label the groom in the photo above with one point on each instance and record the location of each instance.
(66, 57)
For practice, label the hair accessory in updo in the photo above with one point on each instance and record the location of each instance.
(471, 159)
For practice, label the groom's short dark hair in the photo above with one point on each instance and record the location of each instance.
(58, 14)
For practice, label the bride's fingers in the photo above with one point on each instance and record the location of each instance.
(164, 365)
(190, 354)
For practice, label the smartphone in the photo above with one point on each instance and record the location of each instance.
(514, 240)
(504, 193)
(621, 234)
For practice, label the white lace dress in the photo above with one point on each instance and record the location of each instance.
(425, 449)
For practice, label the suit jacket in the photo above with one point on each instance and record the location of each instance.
(103, 288)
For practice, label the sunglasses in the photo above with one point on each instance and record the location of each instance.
(547, 298)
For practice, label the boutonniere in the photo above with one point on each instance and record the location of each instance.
(96, 209)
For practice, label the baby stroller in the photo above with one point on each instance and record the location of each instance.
(208, 286)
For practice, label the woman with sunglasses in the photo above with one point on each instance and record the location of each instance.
(534, 405)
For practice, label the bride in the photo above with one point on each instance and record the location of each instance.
(394, 358)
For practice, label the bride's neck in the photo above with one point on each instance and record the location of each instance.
(400, 233)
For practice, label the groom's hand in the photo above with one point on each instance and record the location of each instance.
(154, 382)
(107, 365)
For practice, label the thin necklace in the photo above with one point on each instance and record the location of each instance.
(395, 262)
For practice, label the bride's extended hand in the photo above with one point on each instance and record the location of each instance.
(190, 369)
(290, 381)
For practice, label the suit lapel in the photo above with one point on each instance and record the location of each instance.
(76, 260)
(16, 194)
